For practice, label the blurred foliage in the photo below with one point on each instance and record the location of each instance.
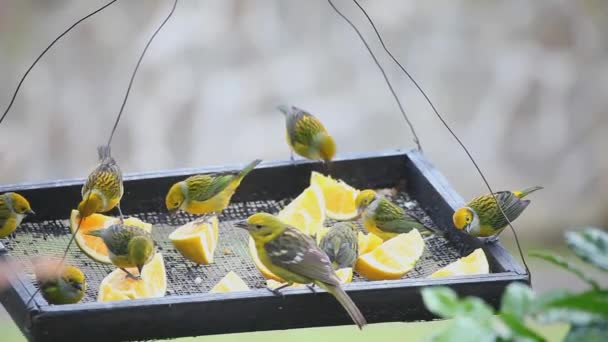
(586, 312)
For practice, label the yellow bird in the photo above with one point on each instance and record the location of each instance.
(307, 136)
(205, 194)
(481, 217)
(295, 257)
(13, 208)
(67, 287)
(103, 189)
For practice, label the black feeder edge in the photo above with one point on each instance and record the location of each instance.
(256, 310)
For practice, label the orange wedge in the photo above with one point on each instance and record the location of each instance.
(392, 259)
(368, 242)
(93, 246)
(258, 263)
(474, 263)
(306, 212)
(153, 283)
(339, 196)
(230, 283)
(344, 274)
(197, 240)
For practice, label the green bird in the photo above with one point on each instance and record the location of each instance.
(341, 245)
(205, 194)
(384, 218)
(66, 287)
(104, 188)
(481, 217)
(128, 246)
(307, 136)
(296, 258)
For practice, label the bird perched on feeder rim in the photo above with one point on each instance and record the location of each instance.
(307, 136)
(103, 189)
(341, 245)
(206, 194)
(13, 208)
(384, 218)
(66, 287)
(481, 217)
(128, 246)
(296, 258)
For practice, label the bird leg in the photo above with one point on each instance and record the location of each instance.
(292, 157)
(311, 287)
(277, 291)
(492, 239)
(122, 218)
(130, 275)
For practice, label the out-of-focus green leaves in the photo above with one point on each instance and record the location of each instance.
(518, 331)
(578, 308)
(466, 329)
(591, 245)
(590, 333)
(517, 300)
(563, 263)
(444, 302)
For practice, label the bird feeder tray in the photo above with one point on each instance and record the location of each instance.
(188, 309)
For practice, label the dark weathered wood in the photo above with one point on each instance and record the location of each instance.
(258, 310)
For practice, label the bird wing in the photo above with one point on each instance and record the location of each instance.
(488, 212)
(391, 218)
(5, 212)
(106, 178)
(302, 127)
(204, 187)
(299, 254)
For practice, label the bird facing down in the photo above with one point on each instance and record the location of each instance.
(128, 246)
(205, 194)
(307, 136)
(66, 287)
(384, 218)
(341, 245)
(296, 258)
(13, 208)
(103, 189)
(481, 217)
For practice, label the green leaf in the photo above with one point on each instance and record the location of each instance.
(517, 300)
(578, 309)
(444, 302)
(466, 329)
(591, 245)
(518, 330)
(563, 263)
(591, 333)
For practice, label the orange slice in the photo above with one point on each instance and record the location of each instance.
(474, 263)
(392, 259)
(344, 274)
(230, 283)
(197, 240)
(153, 283)
(306, 212)
(93, 246)
(339, 196)
(258, 263)
(368, 242)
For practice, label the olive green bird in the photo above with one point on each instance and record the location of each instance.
(307, 136)
(341, 245)
(206, 194)
(481, 217)
(103, 189)
(13, 209)
(66, 287)
(384, 218)
(296, 258)
(128, 246)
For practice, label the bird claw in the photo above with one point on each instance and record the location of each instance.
(276, 291)
(311, 287)
(492, 239)
(130, 275)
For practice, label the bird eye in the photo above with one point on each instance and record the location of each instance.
(258, 226)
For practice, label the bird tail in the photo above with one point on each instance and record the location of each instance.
(526, 192)
(284, 109)
(248, 168)
(104, 152)
(346, 302)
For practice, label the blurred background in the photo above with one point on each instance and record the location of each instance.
(523, 83)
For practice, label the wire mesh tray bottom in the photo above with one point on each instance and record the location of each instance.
(232, 254)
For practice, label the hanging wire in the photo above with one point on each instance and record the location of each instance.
(65, 253)
(440, 117)
(10, 104)
(388, 82)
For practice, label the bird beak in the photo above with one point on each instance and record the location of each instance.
(77, 286)
(242, 224)
(30, 212)
(467, 228)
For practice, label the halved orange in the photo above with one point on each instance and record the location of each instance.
(392, 259)
(339, 196)
(258, 263)
(93, 246)
(344, 274)
(197, 240)
(153, 282)
(368, 242)
(306, 212)
(231, 282)
(474, 263)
